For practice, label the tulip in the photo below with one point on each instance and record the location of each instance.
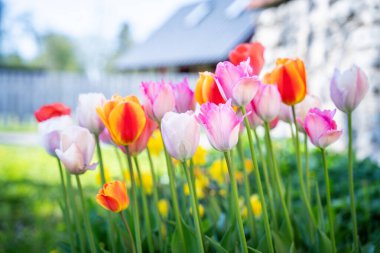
(163, 207)
(105, 137)
(50, 111)
(303, 108)
(113, 196)
(184, 97)
(181, 134)
(142, 141)
(285, 114)
(254, 51)
(321, 128)
(49, 132)
(253, 119)
(124, 118)
(236, 82)
(86, 111)
(290, 77)
(159, 99)
(206, 90)
(347, 89)
(76, 149)
(267, 102)
(222, 125)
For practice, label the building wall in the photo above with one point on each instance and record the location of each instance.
(330, 34)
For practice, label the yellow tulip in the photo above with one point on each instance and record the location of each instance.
(163, 208)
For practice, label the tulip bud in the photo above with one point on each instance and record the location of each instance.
(113, 196)
(267, 102)
(221, 124)
(184, 97)
(181, 134)
(206, 90)
(76, 149)
(158, 99)
(236, 82)
(347, 89)
(321, 128)
(86, 111)
(303, 108)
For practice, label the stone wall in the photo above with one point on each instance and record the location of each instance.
(330, 34)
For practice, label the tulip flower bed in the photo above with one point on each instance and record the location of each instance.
(245, 200)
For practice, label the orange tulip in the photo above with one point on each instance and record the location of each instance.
(124, 118)
(206, 89)
(290, 77)
(113, 196)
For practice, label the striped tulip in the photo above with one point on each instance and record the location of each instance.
(290, 77)
(113, 196)
(124, 118)
(206, 90)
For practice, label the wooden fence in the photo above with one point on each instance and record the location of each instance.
(21, 93)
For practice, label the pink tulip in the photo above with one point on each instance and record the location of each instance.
(86, 111)
(105, 137)
(76, 149)
(321, 128)
(184, 97)
(348, 89)
(285, 114)
(142, 141)
(158, 99)
(253, 118)
(50, 132)
(302, 109)
(221, 124)
(267, 102)
(236, 82)
(181, 134)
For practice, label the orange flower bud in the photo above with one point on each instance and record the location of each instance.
(206, 89)
(290, 77)
(124, 118)
(113, 196)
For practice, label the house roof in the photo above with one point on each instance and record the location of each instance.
(200, 33)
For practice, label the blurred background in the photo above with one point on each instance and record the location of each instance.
(51, 51)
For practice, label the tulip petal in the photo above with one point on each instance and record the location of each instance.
(72, 159)
(108, 203)
(245, 90)
(329, 137)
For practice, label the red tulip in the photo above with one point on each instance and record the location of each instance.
(254, 51)
(50, 111)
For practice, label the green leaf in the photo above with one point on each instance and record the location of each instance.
(230, 238)
(323, 242)
(253, 250)
(292, 248)
(189, 245)
(280, 243)
(263, 245)
(216, 245)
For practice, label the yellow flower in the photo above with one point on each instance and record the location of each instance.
(147, 182)
(239, 176)
(203, 179)
(201, 210)
(199, 189)
(155, 143)
(163, 208)
(218, 171)
(106, 175)
(256, 205)
(199, 157)
(248, 165)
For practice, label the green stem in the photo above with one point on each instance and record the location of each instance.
(133, 247)
(259, 185)
(110, 231)
(155, 196)
(76, 213)
(328, 199)
(66, 210)
(300, 173)
(192, 176)
(194, 201)
(266, 180)
(148, 225)
(307, 168)
(120, 162)
(135, 207)
(351, 183)
(247, 193)
(87, 223)
(173, 192)
(278, 181)
(231, 171)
